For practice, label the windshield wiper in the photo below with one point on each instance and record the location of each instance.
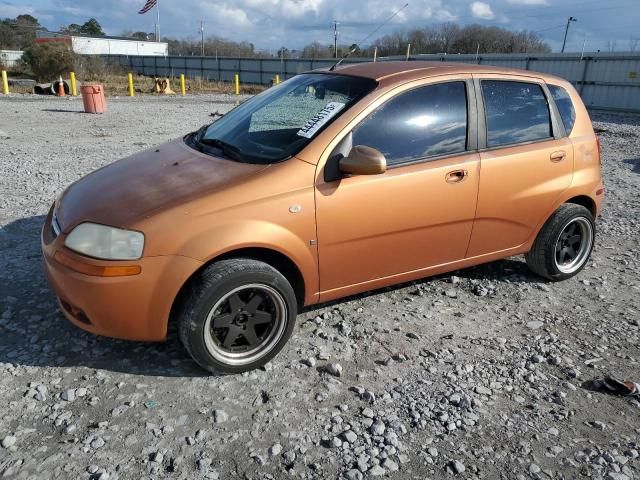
(227, 149)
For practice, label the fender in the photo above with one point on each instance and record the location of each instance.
(212, 243)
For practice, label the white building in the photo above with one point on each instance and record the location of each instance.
(84, 45)
(10, 58)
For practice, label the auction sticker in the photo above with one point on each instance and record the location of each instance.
(316, 122)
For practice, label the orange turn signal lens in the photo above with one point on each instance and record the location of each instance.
(96, 270)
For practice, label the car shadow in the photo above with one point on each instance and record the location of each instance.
(34, 333)
(511, 269)
(61, 110)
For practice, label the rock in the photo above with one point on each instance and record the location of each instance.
(390, 465)
(220, 416)
(289, 457)
(97, 443)
(376, 471)
(368, 396)
(353, 474)
(334, 369)
(157, 457)
(275, 449)
(349, 436)
(533, 469)
(457, 466)
(377, 428)
(480, 390)
(68, 395)
(309, 362)
(534, 325)
(451, 293)
(8, 441)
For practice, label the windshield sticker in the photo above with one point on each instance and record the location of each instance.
(319, 119)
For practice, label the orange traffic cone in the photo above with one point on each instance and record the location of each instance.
(61, 88)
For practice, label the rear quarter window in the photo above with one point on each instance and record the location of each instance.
(565, 106)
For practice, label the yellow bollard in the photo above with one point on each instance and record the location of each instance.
(130, 77)
(277, 79)
(74, 92)
(237, 84)
(182, 89)
(5, 83)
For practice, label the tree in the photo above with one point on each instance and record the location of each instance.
(451, 38)
(283, 52)
(49, 60)
(90, 27)
(71, 28)
(18, 33)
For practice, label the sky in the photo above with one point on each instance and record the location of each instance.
(270, 24)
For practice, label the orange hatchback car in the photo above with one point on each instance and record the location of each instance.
(329, 184)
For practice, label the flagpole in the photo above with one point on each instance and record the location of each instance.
(158, 18)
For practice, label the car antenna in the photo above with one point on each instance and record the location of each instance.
(355, 46)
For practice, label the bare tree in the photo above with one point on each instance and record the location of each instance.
(633, 43)
(611, 45)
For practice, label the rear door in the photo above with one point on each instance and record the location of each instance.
(526, 161)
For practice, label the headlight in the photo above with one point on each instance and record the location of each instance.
(104, 242)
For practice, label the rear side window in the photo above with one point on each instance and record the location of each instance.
(516, 112)
(424, 122)
(565, 106)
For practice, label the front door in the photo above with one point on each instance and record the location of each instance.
(375, 229)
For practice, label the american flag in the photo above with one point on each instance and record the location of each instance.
(148, 6)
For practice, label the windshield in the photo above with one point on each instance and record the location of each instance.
(279, 122)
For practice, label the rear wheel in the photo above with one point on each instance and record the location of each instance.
(564, 243)
(237, 315)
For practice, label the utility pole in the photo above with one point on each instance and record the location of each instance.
(566, 31)
(202, 35)
(335, 38)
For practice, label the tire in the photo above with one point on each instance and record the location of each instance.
(551, 256)
(236, 315)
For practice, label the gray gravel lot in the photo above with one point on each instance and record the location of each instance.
(477, 374)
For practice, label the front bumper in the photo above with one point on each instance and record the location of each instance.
(135, 307)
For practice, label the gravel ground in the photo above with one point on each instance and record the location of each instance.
(480, 374)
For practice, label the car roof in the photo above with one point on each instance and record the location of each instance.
(391, 71)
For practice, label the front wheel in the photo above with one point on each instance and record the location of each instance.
(564, 243)
(237, 315)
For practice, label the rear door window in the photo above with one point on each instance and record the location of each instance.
(423, 122)
(565, 106)
(516, 112)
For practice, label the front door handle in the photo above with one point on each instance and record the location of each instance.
(456, 176)
(558, 156)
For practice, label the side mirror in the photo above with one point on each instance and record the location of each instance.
(363, 160)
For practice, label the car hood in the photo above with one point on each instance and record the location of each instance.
(138, 186)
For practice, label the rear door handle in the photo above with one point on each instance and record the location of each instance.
(558, 156)
(456, 176)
